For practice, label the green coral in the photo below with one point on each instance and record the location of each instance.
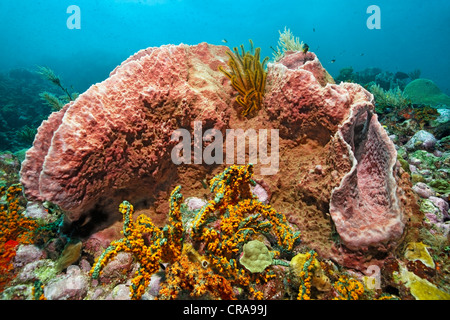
(256, 256)
(392, 98)
(420, 288)
(56, 103)
(51, 100)
(424, 91)
(440, 185)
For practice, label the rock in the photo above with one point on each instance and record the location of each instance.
(442, 205)
(424, 91)
(421, 140)
(36, 210)
(117, 268)
(423, 190)
(424, 160)
(154, 285)
(26, 254)
(120, 292)
(429, 208)
(441, 125)
(70, 286)
(42, 270)
(260, 193)
(194, 203)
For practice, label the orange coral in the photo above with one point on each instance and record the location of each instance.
(348, 288)
(226, 223)
(189, 277)
(15, 229)
(237, 216)
(305, 276)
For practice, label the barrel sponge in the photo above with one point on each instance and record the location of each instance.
(424, 91)
(256, 256)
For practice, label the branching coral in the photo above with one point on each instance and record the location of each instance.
(56, 103)
(148, 243)
(348, 288)
(229, 221)
(26, 134)
(248, 77)
(50, 75)
(287, 42)
(393, 98)
(51, 100)
(306, 265)
(15, 229)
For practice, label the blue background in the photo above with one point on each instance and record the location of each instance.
(414, 33)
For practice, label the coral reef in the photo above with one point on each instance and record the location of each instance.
(247, 77)
(21, 110)
(241, 220)
(347, 178)
(384, 79)
(336, 122)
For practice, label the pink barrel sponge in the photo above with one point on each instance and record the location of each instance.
(113, 142)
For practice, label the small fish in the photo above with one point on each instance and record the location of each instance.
(333, 60)
(305, 48)
(314, 29)
(362, 54)
(224, 41)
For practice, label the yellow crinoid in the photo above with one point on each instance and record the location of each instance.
(248, 77)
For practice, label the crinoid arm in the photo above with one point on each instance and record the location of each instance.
(248, 76)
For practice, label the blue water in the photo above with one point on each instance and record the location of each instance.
(414, 34)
